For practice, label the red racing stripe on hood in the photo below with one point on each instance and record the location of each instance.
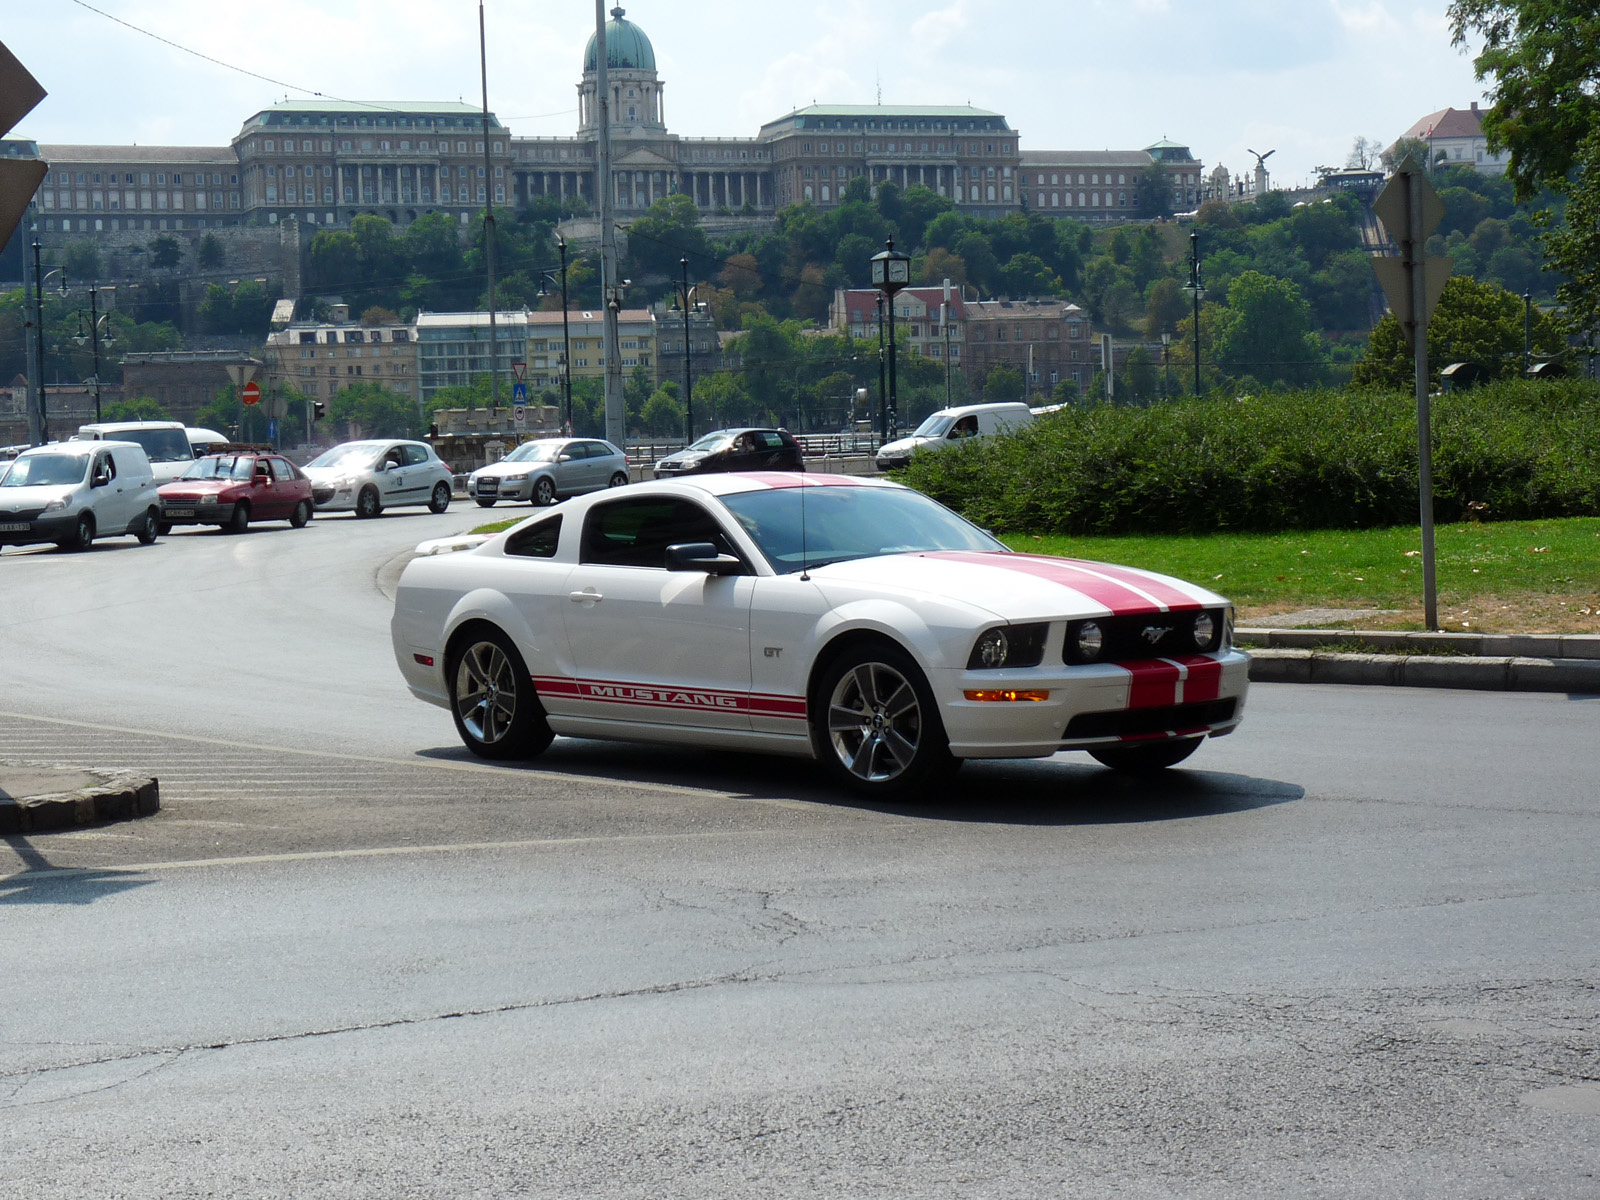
(1120, 597)
(1164, 593)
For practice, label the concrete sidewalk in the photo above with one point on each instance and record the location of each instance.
(35, 797)
(1475, 661)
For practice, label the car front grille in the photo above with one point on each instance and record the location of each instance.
(1154, 635)
(1134, 722)
(21, 514)
(489, 486)
(322, 494)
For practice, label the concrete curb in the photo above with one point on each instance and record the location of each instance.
(1483, 645)
(98, 796)
(1496, 673)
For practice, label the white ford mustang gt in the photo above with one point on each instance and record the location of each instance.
(848, 619)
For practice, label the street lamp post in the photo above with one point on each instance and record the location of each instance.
(685, 291)
(1196, 292)
(39, 278)
(93, 338)
(1166, 364)
(1527, 333)
(545, 278)
(891, 271)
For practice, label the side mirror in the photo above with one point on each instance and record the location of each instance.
(702, 556)
(101, 479)
(565, 458)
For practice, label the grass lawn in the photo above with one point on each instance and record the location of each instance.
(1508, 577)
(1505, 577)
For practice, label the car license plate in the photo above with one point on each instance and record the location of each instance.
(180, 512)
(14, 527)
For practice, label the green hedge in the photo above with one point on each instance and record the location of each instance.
(1294, 460)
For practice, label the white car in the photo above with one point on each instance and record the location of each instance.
(949, 426)
(368, 477)
(165, 443)
(70, 493)
(847, 619)
(549, 469)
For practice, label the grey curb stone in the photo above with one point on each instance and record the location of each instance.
(121, 797)
(1479, 673)
(1486, 645)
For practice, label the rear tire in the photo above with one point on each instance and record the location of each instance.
(875, 725)
(301, 514)
(440, 500)
(1146, 759)
(367, 502)
(496, 710)
(240, 521)
(620, 479)
(149, 529)
(82, 537)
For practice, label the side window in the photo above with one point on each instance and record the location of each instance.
(106, 466)
(576, 450)
(281, 469)
(595, 449)
(636, 533)
(415, 455)
(538, 540)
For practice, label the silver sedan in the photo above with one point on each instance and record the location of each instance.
(550, 469)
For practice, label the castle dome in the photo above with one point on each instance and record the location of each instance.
(627, 48)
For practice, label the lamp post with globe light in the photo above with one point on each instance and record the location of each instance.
(891, 271)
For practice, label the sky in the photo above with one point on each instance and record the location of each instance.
(1303, 78)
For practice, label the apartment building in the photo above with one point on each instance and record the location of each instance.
(932, 319)
(320, 359)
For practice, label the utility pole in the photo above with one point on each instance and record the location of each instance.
(33, 348)
(566, 334)
(488, 216)
(610, 291)
(688, 393)
(883, 387)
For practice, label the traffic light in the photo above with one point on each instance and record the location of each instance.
(318, 410)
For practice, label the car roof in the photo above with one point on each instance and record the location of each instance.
(82, 447)
(123, 426)
(735, 482)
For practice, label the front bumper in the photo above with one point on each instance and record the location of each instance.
(38, 529)
(892, 462)
(1106, 704)
(332, 499)
(497, 488)
(180, 512)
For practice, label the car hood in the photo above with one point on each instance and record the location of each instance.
(197, 487)
(1021, 587)
(503, 468)
(683, 458)
(15, 499)
(903, 446)
(329, 474)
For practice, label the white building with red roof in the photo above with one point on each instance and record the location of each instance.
(1455, 136)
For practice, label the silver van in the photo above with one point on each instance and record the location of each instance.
(70, 493)
(951, 425)
(166, 443)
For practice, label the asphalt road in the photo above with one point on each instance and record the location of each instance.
(1350, 953)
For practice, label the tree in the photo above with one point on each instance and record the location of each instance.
(1475, 322)
(210, 255)
(1364, 153)
(1155, 192)
(166, 252)
(662, 414)
(1164, 306)
(81, 261)
(1575, 246)
(1265, 333)
(1141, 381)
(1403, 149)
(1003, 383)
(145, 408)
(375, 411)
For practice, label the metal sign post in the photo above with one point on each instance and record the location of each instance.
(1411, 210)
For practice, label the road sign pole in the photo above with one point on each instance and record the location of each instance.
(1416, 236)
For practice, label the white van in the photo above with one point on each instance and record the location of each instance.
(165, 443)
(70, 493)
(206, 441)
(951, 425)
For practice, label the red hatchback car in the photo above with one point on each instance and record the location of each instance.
(231, 490)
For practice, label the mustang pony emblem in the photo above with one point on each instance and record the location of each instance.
(1154, 633)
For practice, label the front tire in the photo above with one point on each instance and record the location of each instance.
(367, 503)
(82, 537)
(496, 710)
(876, 727)
(440, 500)
(149, 529)
(301, 516)
(1146, 759)
(482, 503)
(620, 479)
(240, 520)
(544, 491)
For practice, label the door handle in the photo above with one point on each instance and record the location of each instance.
(585, 597)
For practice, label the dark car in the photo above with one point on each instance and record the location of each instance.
(735, 450)
(231, 490)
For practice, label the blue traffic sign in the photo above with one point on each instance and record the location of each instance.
(519, 393)
(272, 431)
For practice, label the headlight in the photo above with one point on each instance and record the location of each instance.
(522, 478)
(1087, 641)
(1008, 646)
(210, 498)
(1206, 631)
(55, 505)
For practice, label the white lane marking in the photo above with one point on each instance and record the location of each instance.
(245, 860)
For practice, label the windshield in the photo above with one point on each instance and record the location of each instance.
(351, 454)
(222, 466)
(43, 470)
(160, 445)
(535, 452)
(934, 426)
(841, 523)
(711, 441)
